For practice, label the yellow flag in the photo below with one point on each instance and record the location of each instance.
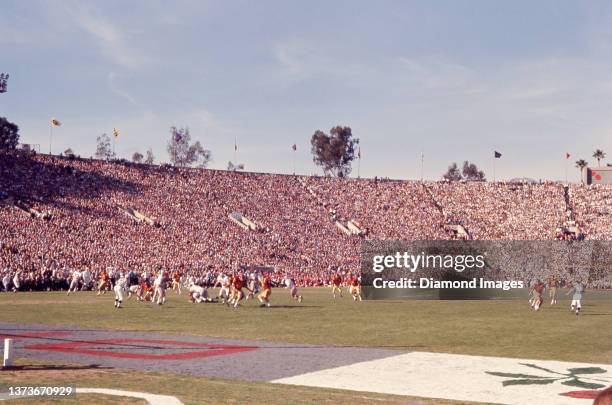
(115, 132)
(55, 122)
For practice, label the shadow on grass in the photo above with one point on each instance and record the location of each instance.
(583, 314)
(294, 306)
(54, 367)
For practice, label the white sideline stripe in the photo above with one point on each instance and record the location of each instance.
(451, 376)
(152, 399)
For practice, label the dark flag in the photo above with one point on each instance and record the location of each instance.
(294, 147)
(497, 155)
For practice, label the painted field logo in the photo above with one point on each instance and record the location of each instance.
(154, 349)
(582, 377)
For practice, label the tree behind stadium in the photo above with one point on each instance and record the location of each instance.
(9, 135)
(469, 172)
(103, 148)
(182, 153)
(235, 167)
(334, 152)
(137, 157)
(150, 159)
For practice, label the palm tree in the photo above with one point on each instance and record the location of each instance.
(599, 155)
(581, 164)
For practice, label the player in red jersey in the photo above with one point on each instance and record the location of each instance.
(266, 291)
(236, 293)
(336, 283)
(148, 292)
(553, 284)
(537, 290)
(104, 282)
(355, 288)
(176, 281)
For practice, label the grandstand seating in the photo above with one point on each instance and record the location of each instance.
(294, 218)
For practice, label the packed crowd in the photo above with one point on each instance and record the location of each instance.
(513, 211)
(592, 207)
(78, 218)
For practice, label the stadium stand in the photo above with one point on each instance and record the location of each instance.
(294, 218)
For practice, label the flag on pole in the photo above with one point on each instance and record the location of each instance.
(497, 155)
(359, 153)
(294, 147)
(567, 155)
(55, 122)
(235, 144)
(115, 132)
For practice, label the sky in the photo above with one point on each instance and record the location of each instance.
(454, 80)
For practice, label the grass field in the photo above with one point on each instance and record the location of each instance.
(497, 328)
(192, 390)
(502, 328)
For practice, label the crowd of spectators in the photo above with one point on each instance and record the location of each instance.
(512, 211)
(78, 219)
(592, 207)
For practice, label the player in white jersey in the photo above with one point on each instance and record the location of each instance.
(87, 279)
(197, 293)
(134, 289)
(16, 281)
(120, 290)
(6, 280)
(74, 283)
(160, 288)
(224, 281)
(290, 284)
(577, 289)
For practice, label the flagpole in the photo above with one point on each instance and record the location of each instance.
(235, 149)
(422, 162)
(294, 150)
(50, 136)
(494, 168)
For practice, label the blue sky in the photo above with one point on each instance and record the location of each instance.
(454, 79)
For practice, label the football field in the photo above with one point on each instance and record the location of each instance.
(320, 350)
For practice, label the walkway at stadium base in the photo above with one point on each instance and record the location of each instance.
(420, 374)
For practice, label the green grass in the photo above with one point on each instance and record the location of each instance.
(190, 389)
(496, 328)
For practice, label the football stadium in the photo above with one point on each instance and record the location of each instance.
(168, 277)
